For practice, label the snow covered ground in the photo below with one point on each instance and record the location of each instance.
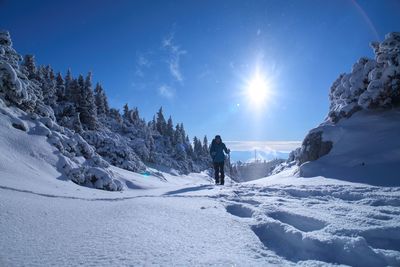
(171, 220)
(185, 220)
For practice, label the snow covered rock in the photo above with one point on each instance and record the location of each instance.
(313, 147)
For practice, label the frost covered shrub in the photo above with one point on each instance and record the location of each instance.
(86, 175)
(15, 87)
(372, 83)
(113, 148)
(22, 87)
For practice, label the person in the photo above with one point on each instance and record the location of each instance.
(217, 150)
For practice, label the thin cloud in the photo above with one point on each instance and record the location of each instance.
(142, 63)
(175, 53)
(204, 74)
(268, 146)
(166, 91)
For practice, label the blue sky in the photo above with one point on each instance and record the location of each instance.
(196, 58)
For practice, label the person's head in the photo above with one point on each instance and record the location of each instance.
(218, 139)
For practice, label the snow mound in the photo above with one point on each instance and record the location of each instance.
(365, 149)
(49, 151)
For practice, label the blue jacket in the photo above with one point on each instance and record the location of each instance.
(217, 151)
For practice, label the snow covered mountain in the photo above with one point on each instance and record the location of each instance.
(359, 141)
(88, 136)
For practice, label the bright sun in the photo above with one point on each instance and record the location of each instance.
(257, 90)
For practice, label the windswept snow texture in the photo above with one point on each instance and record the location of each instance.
(366, 149)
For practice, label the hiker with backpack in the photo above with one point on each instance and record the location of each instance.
(217, 150)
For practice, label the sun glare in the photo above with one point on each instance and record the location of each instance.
(257, 90)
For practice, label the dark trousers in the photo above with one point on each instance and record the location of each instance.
(219, 172)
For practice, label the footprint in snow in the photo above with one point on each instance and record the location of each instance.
(239, 211)
(303, 223)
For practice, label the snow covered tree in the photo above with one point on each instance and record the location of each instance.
(152, 124)
(60, 88)
(198, 148)
(30, 66)
(170, 129)
(205, 146)
(74, 92)
(101, 100)
(87, 106)
(372, 83)
(134, 115)
(15, 88)
(126, 111)
(114, 113)
(48, 86)
(188, 147)
(68, 80)
(178, 135)
(161, 124)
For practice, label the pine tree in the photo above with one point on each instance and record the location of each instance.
(188, 147)
(198, 149)
(87, 106)
(68, 81)
(114, 113)
(205, 146)
(170, 129)
(183, 133)
(60, 87)
(51, 73)
(180, 150)
(178, 135)
(135, 115)
(81, 81)
(101, 100)
(152, 124)
(106, 105)
(30, 66)
(126, 111)
(48, 86)
(74, 92)
(161, 124)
